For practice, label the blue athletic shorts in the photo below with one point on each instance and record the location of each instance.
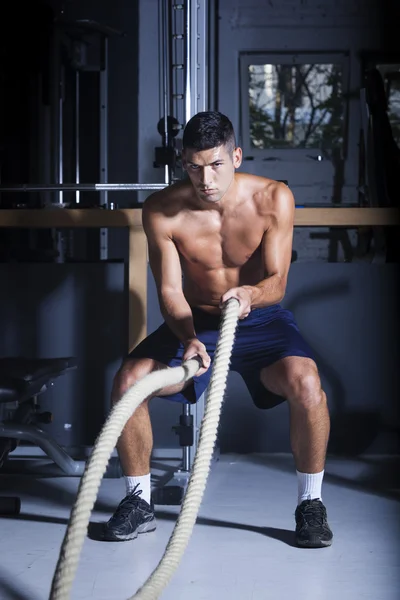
(262, 338)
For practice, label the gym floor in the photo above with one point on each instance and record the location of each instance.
(242, 547)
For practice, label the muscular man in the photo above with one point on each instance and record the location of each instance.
(221, 234)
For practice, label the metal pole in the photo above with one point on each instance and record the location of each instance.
(77, 131)
(165, 69)
(82, 187)
(188, 113)
(178, 49)
(103, 99)
(200, 59)
(160, 57)
(60, 235)
(55, 106)
(194, 54)
(211, 48)
(186, 449)
(188, 54)
(60, 133)
(166, 90)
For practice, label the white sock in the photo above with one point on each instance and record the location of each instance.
(143, 481)
(309, 486)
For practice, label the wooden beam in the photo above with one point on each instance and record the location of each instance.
(137, 320)
(346, 217)
(97, 218)
(70, 218)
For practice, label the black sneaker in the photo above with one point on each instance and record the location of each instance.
(312, 529)
(133, 516)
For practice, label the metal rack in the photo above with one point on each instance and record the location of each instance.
(183, 92)
(183, 73)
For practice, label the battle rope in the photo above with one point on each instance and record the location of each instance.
(106, 442)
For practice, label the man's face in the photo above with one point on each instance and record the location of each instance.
(211, 171)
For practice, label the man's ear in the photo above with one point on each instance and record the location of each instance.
(237, 157)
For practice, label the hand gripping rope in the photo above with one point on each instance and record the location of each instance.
(106, 442)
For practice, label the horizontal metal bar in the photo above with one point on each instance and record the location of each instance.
(33, 434)
(82, 187)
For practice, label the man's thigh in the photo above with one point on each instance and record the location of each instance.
(280, 377)
(269, 352)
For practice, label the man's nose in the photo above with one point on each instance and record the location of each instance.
(206, 176)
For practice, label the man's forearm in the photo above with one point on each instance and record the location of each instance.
(267, 292)
(178, 315)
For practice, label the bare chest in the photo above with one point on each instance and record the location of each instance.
(220, 244)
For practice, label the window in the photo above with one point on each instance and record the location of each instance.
(391, 78)
(292, 102)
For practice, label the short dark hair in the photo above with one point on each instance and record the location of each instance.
(209, 129)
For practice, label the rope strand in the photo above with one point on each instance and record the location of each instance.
(96, 466)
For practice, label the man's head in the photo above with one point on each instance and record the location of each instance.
(210, 155)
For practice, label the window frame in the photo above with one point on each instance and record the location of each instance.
(294, 57)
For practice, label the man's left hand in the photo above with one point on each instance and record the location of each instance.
(243, 294)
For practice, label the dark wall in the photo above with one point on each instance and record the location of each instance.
(390, 25)
(50, 311)
(24, 57)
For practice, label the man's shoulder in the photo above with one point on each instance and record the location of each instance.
(169, 200)
(262, 185)
(268, 194)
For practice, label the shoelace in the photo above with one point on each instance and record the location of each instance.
(313, 514)
(127, 503)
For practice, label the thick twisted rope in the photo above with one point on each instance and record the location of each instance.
(89, 486)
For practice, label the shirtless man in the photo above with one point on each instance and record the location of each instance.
(217, 235)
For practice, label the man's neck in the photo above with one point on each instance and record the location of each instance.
(227, 202)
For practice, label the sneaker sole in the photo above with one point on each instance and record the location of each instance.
(314, 543)
(148, 527)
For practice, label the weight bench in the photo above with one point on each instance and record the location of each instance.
(22, 380)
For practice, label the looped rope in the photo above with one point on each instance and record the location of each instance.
(96, 466)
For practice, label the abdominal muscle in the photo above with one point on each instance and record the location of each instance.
(204, 289)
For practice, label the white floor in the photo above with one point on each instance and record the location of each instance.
(242, 545)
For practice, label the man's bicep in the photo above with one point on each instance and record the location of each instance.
(163, 254)
(165, 265)
(278, 239)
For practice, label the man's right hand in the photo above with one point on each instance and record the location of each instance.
(194, 348)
